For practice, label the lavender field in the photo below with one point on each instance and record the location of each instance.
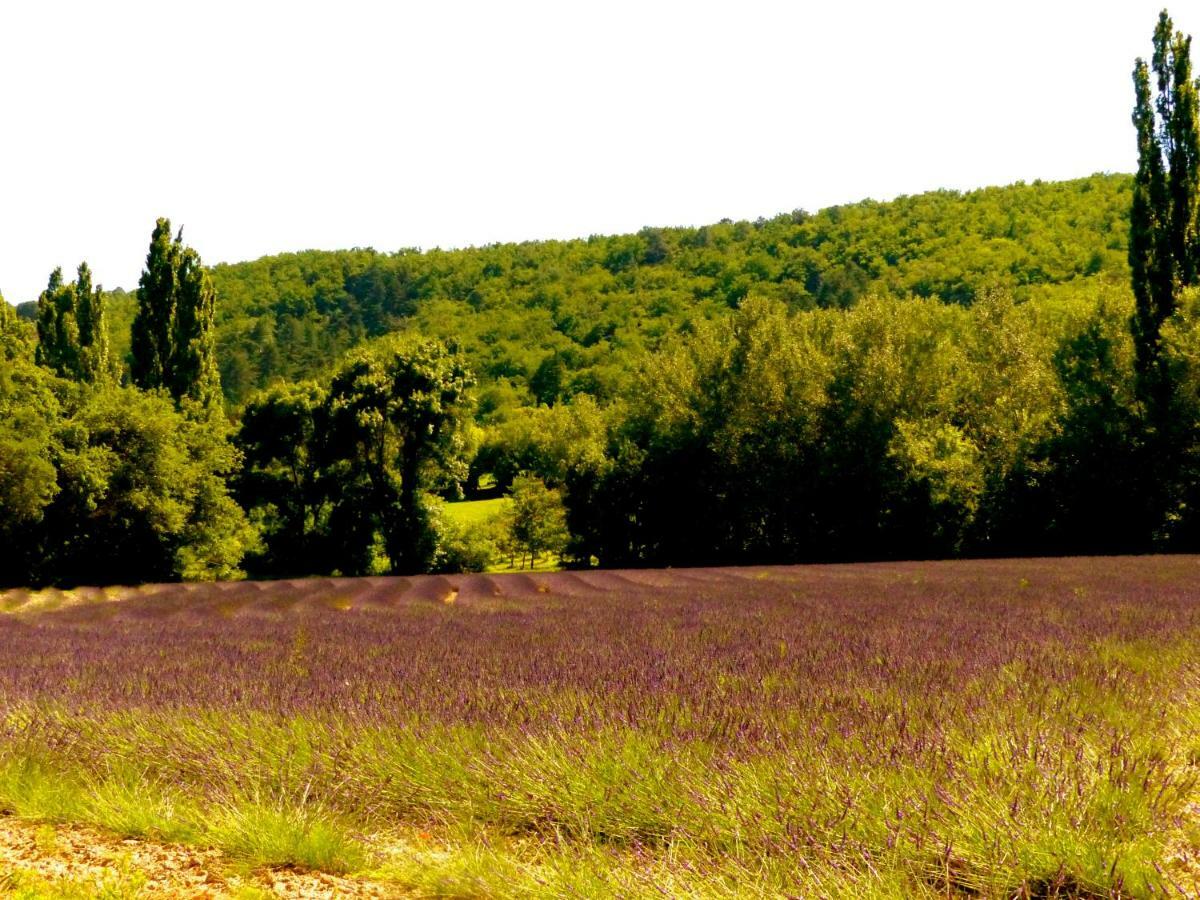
(994, 728)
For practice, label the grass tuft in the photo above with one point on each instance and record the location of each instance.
(270, 836)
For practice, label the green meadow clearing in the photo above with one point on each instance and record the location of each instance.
(482, 514)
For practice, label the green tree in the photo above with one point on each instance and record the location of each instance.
(58, 333)
(95, 358)
(16, 335)
(195, 365)
(173, 345)
(281, 482)
(394, 411)
(536, 519)
(141, 495)
(105, 484)
(29, 414)
(461, 547)
(551, 442)
(72, 328)
(1164, 243)
(151, 349)
(600, 306)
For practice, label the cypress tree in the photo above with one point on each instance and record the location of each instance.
(72, 333)
(1164, 242)
(195, 363)
(94, 360)
(58, 334)
(173, 345)
(150, 337)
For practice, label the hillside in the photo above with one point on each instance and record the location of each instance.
(545, 320)
(550, 319)
(940, 375)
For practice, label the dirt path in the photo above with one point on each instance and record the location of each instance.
(62, 860)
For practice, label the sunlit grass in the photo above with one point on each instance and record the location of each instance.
(475, 512)
(481, 514)
(115, 884)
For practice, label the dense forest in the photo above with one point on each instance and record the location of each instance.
(1009, 370)
(542, 322)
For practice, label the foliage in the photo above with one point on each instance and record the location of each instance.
(1165, 263)
(1081, 487)
(281, 482)
(460, 545)
(394, 408)
(172, 343)
(29, 439)
(895, 429)
(140, 496)
(104, 484)
(543, 322)
(577, 343)
(337, 476)
(535, 520)
(1164, 249)
(553, 441)
(689, 427)
(72, 328)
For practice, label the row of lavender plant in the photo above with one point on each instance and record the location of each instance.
(983, 725)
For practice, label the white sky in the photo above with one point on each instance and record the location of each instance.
(273, 126)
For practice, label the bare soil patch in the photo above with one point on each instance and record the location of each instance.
(88, 859)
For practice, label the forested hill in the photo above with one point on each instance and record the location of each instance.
(545, 320)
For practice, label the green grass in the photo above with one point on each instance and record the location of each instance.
(479, 514)
(547, 562)
(286, 836)
(125, 800)
(475, 512)
(117, 884)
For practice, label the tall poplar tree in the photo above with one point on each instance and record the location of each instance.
(150, 338)
(193, 340)
(1164, 245)
(172, 342)
(72, 332)
(58, 335)
(95, 360)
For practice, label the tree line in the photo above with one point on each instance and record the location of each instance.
(543, 322)
(906, 428)
(1008, 371)
(112, 474)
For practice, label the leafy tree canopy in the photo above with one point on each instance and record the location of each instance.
(172, 341)
(542, 322)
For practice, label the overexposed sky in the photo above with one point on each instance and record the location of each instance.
(273, 126)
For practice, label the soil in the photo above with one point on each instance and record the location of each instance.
(88, 860)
